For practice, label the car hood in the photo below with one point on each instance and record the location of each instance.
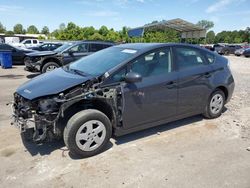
(28, 50)
(41, 53)
(51, 83)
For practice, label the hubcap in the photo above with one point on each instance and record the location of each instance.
(50, 68)
(90, 135)
(216, 103)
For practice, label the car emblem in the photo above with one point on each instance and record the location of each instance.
(27, 91)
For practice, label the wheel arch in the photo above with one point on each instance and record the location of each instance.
(97, 104)
(224, 90)
(50, 59)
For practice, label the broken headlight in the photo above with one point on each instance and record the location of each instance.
(48, 105)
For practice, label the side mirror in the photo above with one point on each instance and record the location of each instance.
(133, 77)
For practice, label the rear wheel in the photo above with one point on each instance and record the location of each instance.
(49, 66)
(215, 104)
(87, 133)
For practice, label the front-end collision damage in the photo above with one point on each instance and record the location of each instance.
(43, 117)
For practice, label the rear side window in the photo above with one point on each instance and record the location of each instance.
(210, 58)
(34, 41)
(96, 47)
(188, 57)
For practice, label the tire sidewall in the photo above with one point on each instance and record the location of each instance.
(46, 65)
(210, 114)
(73, 125)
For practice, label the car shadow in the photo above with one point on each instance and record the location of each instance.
(12, 76)
(157, 130)
(33, 75)
(44, 148)
(47, 148)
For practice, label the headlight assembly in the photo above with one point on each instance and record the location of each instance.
(48, 105)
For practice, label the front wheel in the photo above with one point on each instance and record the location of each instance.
(50, 66)
(215, 104)
(87, 133)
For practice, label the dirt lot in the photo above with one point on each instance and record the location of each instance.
(193, 152)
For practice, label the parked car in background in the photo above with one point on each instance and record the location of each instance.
(119, 90)
(228, 49)
(239, 52)
(18, 54)
(246, 52)
(217, 47)
(46, 46)
(27, 43)
(67, 53)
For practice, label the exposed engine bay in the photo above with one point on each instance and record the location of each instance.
(43, 119)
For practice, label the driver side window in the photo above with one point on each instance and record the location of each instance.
(79, 48)
(153, 64)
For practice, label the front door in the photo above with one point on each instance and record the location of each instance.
(75, 53)
(155, 97)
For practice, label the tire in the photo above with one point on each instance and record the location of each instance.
(226, 52)
(48, 67)
(81, 133)
(211, 111)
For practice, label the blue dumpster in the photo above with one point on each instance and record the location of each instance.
(6, 59)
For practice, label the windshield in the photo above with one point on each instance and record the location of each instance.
(102, 61)
(63, 47)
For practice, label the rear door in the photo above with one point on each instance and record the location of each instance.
(194, 84)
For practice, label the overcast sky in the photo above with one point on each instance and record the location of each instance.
(226, 14)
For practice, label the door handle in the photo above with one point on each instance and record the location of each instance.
(207, 74)
(171, 84)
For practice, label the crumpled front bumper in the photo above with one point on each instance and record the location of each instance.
(20, 123)
(32, 66)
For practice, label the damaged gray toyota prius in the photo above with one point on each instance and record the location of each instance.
(120, 90)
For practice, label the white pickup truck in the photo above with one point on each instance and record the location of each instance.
(27, 43)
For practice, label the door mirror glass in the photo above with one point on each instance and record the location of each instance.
(133, 77)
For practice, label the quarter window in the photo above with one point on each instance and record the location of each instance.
(188, 57)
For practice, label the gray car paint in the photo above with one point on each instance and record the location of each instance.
(152, 102)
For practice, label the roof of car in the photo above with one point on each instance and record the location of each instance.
(149, 46)
(97, 42)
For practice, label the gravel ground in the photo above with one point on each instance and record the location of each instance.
(193, 152)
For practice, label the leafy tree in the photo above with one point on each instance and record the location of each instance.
(2, 28)
(205, 24)
(18, 29)
(96, 36)
(210, 37)
(32, 30)
(45, 30)
(9, 33)
(62, 26)
(248, 34)
(103, 31)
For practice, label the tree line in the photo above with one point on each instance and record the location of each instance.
(71, 31)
